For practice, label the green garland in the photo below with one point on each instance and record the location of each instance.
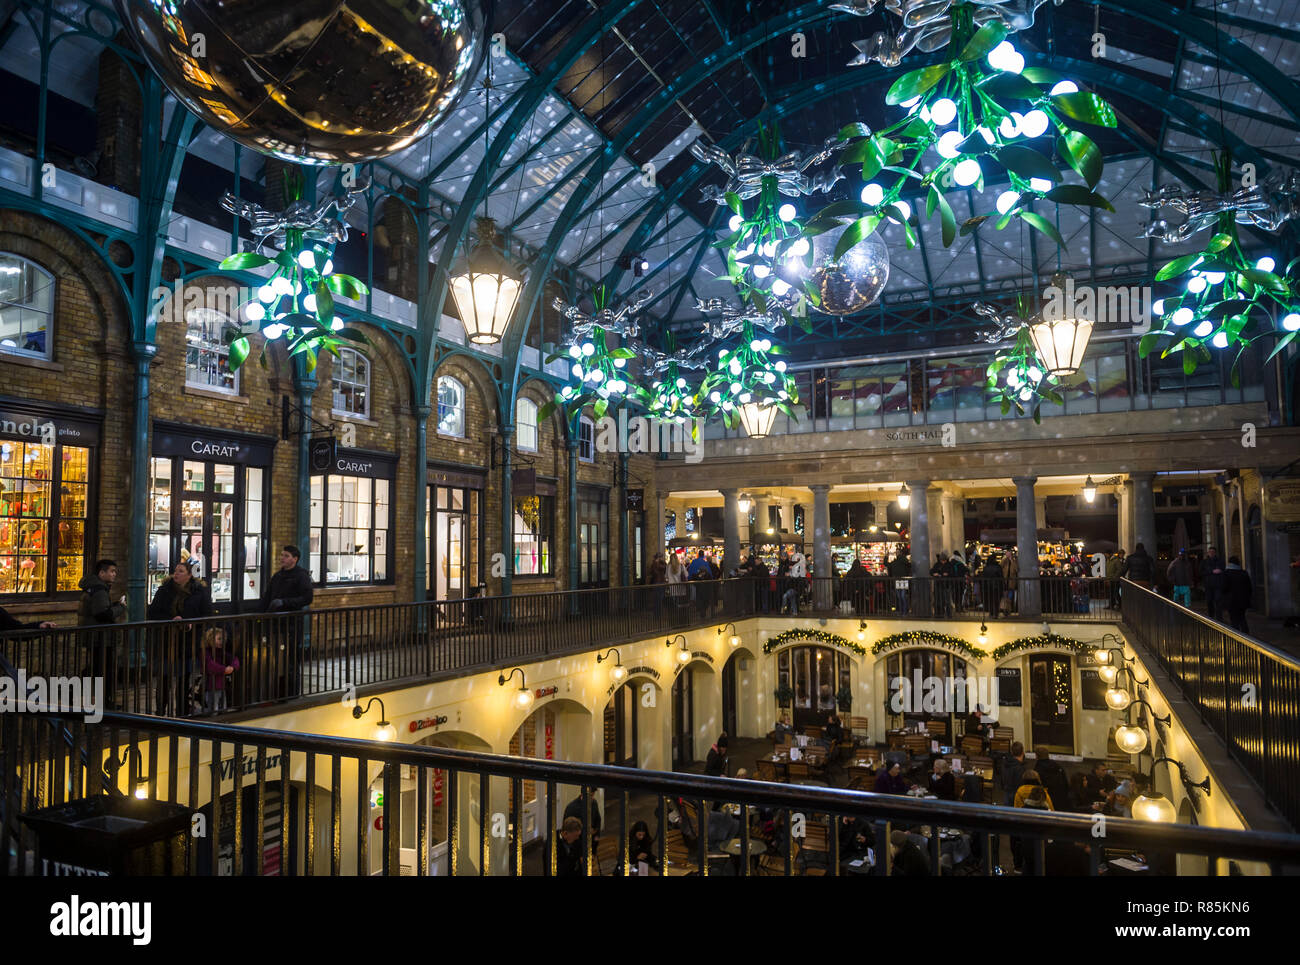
(1041, 641)
(919, 638)
(820, 636)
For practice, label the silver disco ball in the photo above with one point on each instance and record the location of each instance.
(851, 283)
(316, 81)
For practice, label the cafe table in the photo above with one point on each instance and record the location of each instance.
(757, 848)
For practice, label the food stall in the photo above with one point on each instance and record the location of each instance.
(873, 549)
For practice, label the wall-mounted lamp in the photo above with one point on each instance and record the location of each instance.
(384, 731)
(734, 639)
(984, 633)
(1132, 738)
(683, 655)
(1151, 805)
(523, 696)
(141, 779)
(1117, 698)
(862, 631)
(617, 673)
(742, 503)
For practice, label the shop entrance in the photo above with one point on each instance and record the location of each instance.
(1051, 703)
(453, 526)
(923, 702)
(621, 725)
(683, 720)
(210, 514)
(816, 675)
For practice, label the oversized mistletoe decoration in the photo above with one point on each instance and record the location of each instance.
(978, 112)
(600, 371)
(747, 375)
(1228, 299)
(297, 302)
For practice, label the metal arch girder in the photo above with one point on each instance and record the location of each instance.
(807, 93)
(1247, 62)
(802, 16)
(429, 311)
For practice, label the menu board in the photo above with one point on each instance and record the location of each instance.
(1093, 696)
(1008, 686)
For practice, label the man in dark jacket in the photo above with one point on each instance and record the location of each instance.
(1180, 575)
(991, 586)
(569, 861)
(574, 811)
(1238, 591)
(1212, 579)
(96, 607)
(715, 765)
(1139, 567)
(1013, 768)
(288, 590)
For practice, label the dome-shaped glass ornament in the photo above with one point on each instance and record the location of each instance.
(322, 82)
(847, 284)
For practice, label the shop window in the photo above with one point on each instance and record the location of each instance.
(349, 529)
(586, 439)
(526, 425)
(451, 407)
(43, 516)
(207, 351)
(352, 383)
(593, 536)
(534, 534)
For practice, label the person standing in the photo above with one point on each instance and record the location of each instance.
(96, 608)
(182, 596)
(289, 590)
(900, 568)
(1213, 580)
(715, 764)
(991, 586)
(1238, 592)
(1139, 567)
(657, 577)
(1179, 572)
(1114, 567)
(1011, 571)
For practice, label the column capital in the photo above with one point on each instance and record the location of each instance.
(662, 494)
(1024, 480)
(819, 489)
(922, 485)
(729, 493)
(1142, 477)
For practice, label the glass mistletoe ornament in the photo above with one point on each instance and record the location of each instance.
(1017, 377)
(976, 115)
(296, 303)
(747, 384)
(1228, 300)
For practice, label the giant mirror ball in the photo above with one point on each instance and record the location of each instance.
(313, 81)
(848, 285)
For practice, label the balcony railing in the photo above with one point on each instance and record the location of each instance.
(177, 668)
(468, 808)
(1244, 690)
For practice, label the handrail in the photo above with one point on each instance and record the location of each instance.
(1259, 646)
(1269, 847)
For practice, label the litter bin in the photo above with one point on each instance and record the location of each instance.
(112, 836)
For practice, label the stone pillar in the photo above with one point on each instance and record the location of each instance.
(660, 544)
(1040, 512)
(1028, 597)
(730, 530)
(1144, 512)
(938, 524)
(919, 605)
(806, 510)
(1222, 536)
(787, 516)
(761, 516)
(1126, 537)
(821, 546)
(954, 524)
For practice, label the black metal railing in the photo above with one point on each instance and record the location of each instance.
(1245, 691)
(179, 668)
(299, 804)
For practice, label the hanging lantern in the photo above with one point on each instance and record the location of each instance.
(757, 419)
(904, 497)
(487, 289)
(1089, 490)
(1061, 338)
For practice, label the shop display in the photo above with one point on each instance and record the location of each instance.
(33, 524)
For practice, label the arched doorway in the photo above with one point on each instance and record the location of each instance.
(553, 733)
(623, 723)
(815, 675)
(906, 676)
(739, 700)
(437, 788)
(694, 713)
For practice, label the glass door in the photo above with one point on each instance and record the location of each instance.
(1051, 703)
(453, 542)
(211, 515)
